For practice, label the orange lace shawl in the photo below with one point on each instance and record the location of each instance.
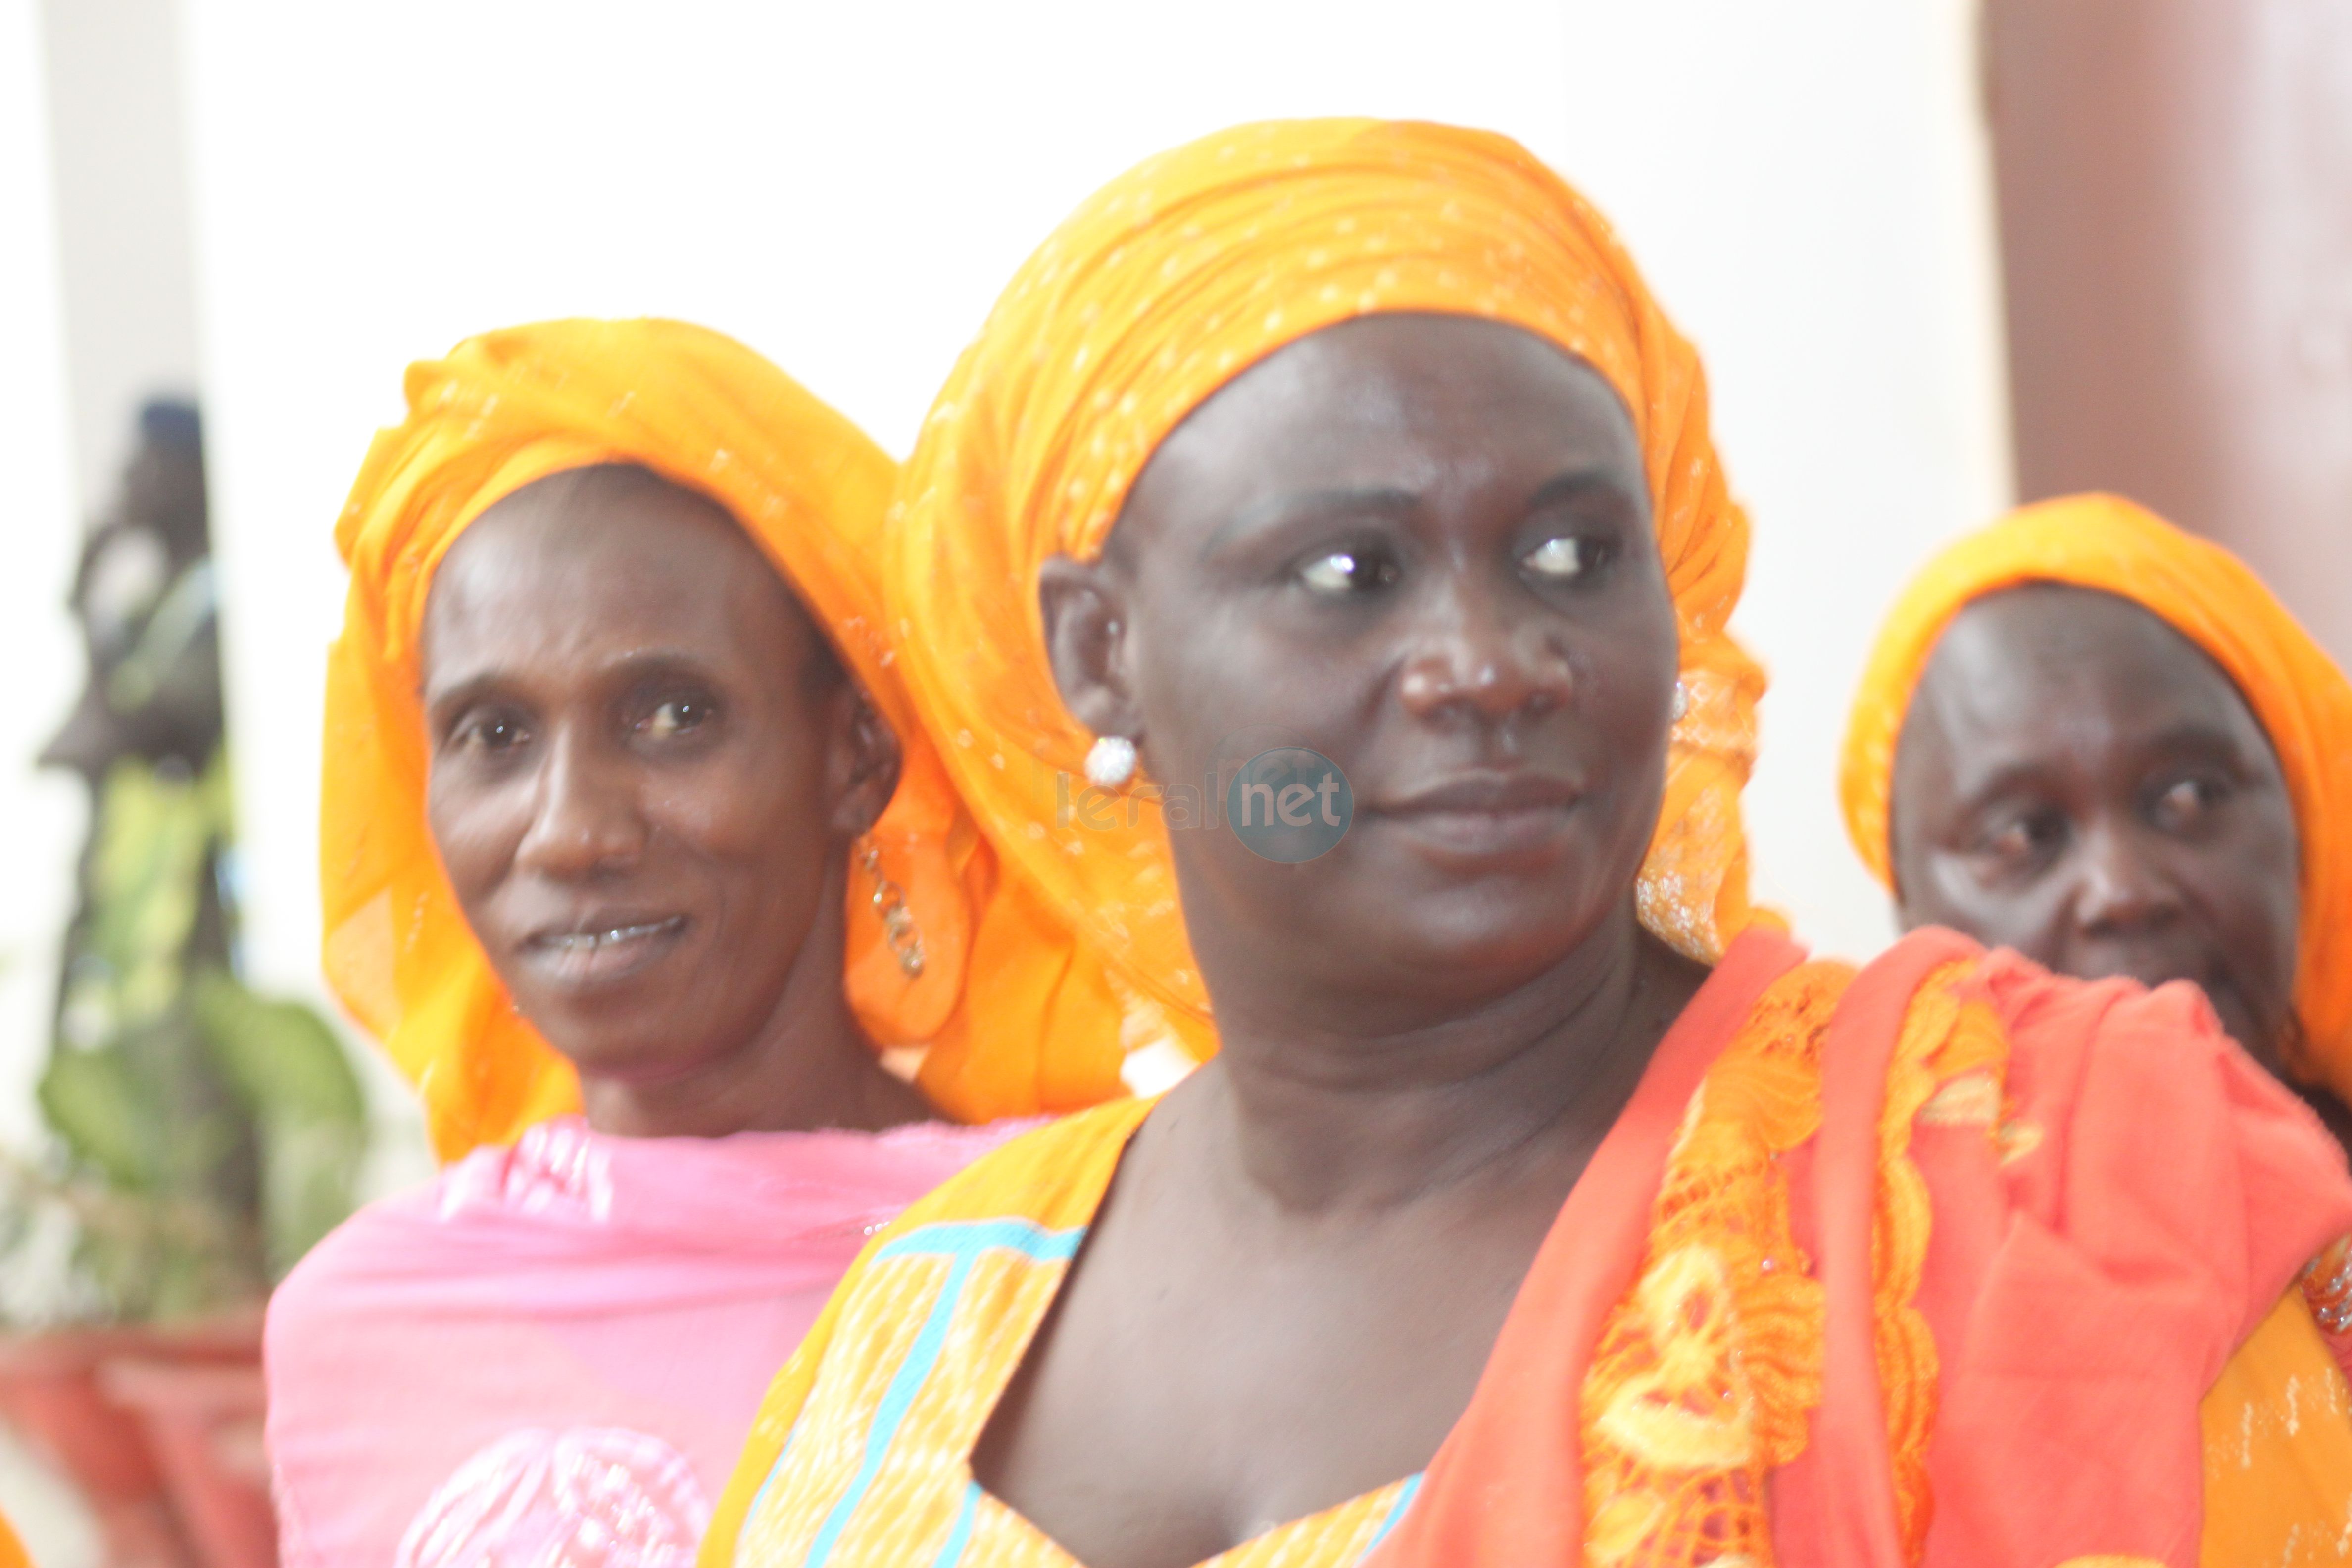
(1889, 1279)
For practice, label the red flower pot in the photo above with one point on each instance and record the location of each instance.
(203, 1424)
(50, 1392)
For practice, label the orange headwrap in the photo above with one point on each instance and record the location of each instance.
(2208, 597)
(1164, 286)
(501, 410)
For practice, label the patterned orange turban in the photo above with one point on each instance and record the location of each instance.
(1164, 286)
(501, 410)
(2208, 597)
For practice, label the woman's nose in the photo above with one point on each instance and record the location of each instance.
(2118, 889)
(1472, 655)
(586, 822)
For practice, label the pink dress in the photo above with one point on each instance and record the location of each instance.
(549, 1355)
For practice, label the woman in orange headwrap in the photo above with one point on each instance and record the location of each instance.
(633, 856)
(2099, 741)
(1540, 1204)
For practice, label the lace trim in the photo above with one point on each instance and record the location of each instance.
(1947, 1069)
(1703, 1376)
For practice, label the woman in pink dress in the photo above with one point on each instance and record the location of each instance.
(634, 859)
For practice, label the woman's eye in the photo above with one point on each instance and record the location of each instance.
(676, 717)
(492, 733)
(2184, 802)
(1561, 558)
(2023, 839)
(1348, 572)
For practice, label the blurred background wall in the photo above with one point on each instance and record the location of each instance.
(40, 539)
(40, 530)
(117, 134)
(2176, 215)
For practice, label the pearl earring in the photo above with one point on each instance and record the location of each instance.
(1682, 701)
(1111, 761)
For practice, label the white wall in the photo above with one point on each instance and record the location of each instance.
(40, 541)
(847, 187)
(117, 125)
(42, 813)
(1808, 189)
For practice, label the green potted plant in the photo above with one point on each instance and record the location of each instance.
(202, 1136)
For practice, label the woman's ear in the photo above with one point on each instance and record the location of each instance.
(1084, 605)
(865, 763)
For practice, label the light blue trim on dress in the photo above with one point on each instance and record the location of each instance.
(964, 1238)
(960, 1536)
(761, 1495)
(1396, 1511)
(962, 1241)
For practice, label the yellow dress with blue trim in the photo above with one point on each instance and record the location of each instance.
(914, 1359)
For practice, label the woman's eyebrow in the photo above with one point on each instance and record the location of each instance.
(464, 691)
(642, 664)
(636, 665)
(1392, 501)
(1573, 483)
(1997, 777)
(2210, 737)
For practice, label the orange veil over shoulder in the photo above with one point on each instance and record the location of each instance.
(2208, 597)
(1163, 285)
(501, 410)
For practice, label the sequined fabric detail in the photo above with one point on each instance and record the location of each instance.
(2327, 1285)
(594, 1497)
(1692, 889)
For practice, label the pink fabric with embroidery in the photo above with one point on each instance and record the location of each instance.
(549, 1355)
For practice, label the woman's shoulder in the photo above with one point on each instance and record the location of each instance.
(1052, 1176)
(376, 1239)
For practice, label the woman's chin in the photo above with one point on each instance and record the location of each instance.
(620, 1052)
(626, 1033)
(1467, 948)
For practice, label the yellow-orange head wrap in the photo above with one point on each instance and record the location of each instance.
(1165, 285)
(501, 410)
(2208, 597)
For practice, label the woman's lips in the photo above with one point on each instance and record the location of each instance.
(603, 950)
(1486, 816)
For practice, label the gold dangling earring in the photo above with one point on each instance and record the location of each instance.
(889, 903)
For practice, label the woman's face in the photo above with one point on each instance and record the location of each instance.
(645, 765)
(1420, 546)
(2075, 780)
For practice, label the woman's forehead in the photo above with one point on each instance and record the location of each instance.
(600, 555)
(1393, 398)
(2062, 666)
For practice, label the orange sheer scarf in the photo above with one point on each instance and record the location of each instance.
(1163, 285)
(499, 411)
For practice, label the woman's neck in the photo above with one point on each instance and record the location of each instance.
(1320, 1120)
(807, 1068)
